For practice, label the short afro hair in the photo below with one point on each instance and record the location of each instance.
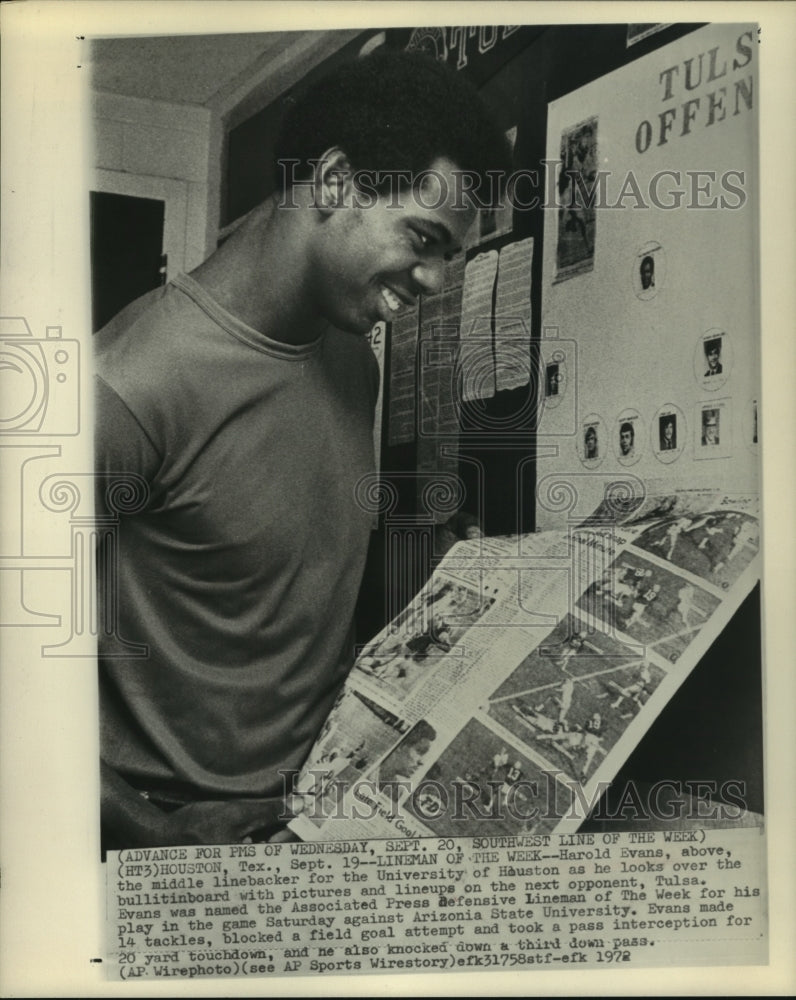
(392, 111)
(422, 730)
(712, 345)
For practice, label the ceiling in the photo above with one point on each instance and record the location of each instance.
(200, 70)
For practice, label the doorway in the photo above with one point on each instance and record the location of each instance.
(126, 251)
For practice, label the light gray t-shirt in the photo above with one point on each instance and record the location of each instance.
(241, 572)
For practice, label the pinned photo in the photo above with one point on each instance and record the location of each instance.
(751, 429)
(712, 359)
(493, 221)
(552, 380)
(357, 731)
(713, 430)
(591, 446)
(628, 437)
(577, 220)
(713, 355)
(668, 434)
(649, 270)
(710, 428)
(556, 371)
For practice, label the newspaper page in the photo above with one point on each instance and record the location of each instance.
(525, 658)
(439, 811)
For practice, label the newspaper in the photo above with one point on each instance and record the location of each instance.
(439, 816)
(508, 693)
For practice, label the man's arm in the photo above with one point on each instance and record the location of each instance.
(122, 447)
(127, 816)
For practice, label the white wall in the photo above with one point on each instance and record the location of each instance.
(156, 149)
(153, 149)
(622, 350)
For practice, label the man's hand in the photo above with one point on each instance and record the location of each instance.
(457, 528)
(227, 822)
(131, 820)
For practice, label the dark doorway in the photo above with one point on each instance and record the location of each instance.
(126, 252)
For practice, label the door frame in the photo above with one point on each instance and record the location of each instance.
(174, 195)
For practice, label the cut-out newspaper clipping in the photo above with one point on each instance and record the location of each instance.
(439, 810)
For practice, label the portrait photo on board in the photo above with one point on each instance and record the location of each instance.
(577, 218)
(648, 270)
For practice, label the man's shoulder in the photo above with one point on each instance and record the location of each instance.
(140, 309)
(138, 353)
(142, 336)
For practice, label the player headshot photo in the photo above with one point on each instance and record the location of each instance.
(667, 425)
(590, 445)
(396, 773)
(647, 273)
(710, 427)
(713, 357)
(552, 379)
(577, 217)
(626, 439)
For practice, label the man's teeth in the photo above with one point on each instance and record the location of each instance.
(391, 299)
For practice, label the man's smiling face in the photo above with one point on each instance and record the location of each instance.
(379, 255)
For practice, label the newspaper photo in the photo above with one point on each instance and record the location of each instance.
(459, 715)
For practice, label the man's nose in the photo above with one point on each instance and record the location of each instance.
(427, 275)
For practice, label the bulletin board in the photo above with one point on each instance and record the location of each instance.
(649, 347)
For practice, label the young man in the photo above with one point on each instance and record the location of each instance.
(710, 427)
(626, 439)
(239, 401)
(590, 443)
(396, 774)
(713, 354)
(668, 434)
(647, 273)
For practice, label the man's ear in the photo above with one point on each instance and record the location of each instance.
(334, 181)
